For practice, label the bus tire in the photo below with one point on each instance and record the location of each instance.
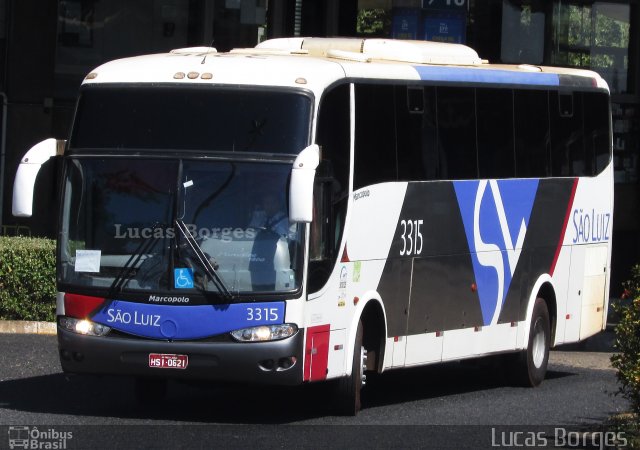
(150, 391)
(349, 388)
(531, 365)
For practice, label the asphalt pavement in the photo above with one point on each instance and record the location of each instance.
(456, 405)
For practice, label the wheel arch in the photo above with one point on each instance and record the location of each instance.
(544, 288)
(375, 332)
(372, 313)
(548, 294)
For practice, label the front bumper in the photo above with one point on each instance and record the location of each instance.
(218, 361)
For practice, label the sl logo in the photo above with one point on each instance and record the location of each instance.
(495, 216)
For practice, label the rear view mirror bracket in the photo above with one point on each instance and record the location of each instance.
(30, 165)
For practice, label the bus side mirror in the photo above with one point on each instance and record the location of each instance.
(27, 173)
(301, 186)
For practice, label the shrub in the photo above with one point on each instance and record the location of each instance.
(627, 361)
(27, 279)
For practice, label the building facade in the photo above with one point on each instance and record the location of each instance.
(48, 46)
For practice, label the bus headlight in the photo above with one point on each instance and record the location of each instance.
(265, 333)
(83, 326)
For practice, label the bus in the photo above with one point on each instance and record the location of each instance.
(320, 209)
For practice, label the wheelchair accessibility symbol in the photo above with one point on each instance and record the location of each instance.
(183, 278)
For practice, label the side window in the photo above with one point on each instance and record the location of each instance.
(494, 110)
(596, 127)
(419, 154)
(568, 151)
(375, 139)
(457, 132)
(333, 135)
(531, 125)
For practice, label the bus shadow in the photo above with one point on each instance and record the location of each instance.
(449, 379)
(113, 397)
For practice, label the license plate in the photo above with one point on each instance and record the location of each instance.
(168, 361)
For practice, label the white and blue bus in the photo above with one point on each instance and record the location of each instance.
(315, 209)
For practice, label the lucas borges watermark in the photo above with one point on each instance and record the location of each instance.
(557, 437)
(225, 234)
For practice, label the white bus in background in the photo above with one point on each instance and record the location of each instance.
(315, 209)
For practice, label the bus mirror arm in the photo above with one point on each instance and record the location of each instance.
(30, 165)
(301, 186)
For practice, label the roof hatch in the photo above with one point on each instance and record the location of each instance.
(416, 52)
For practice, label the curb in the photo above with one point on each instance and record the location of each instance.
(27, 327)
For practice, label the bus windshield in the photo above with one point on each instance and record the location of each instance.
(201, 118)
(178, 225)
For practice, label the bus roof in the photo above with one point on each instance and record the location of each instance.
(315, 63)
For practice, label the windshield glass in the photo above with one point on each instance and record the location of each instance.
(191, 118)
(179, 226)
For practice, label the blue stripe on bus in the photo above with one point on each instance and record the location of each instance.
(493, 76)
(496, 216)
(187, 322)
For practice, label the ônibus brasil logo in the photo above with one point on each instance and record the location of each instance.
(24, 437)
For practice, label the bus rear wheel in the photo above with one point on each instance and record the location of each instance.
(531, 365)
(348, 389)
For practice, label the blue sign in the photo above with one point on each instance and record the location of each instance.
(183, 278)
(449, 28)
(406, 24)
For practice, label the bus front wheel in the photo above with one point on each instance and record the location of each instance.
(349, 388)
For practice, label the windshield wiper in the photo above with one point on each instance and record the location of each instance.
(128, 269)
(204, 261)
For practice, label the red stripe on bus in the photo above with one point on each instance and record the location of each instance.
(316, 353)
(564, 226)
(81, 306)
